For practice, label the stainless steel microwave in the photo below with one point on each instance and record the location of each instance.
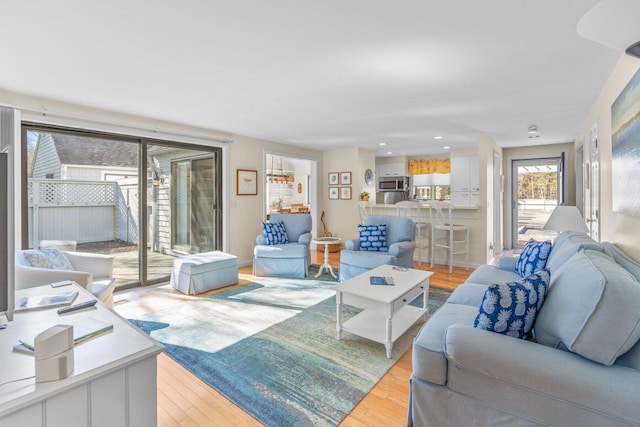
(393, 183)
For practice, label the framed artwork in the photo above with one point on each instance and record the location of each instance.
(246, 182)
(334, 193)
(345, 178)
(345, 193)
(625, 150)
(334, 178)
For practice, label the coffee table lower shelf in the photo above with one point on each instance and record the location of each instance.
(371, 325)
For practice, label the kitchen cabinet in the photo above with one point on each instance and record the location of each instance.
(391, 169)
(465, 181)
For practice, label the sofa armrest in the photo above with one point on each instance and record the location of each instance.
(398, 248)
(305, 239)
(352, 245)
(28, 277)
(507, 263)
(99, 265)
(543, 370)
(260, 240)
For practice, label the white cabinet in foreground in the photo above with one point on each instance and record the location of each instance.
(113, 383)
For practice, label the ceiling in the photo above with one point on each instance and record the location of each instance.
(322, 74)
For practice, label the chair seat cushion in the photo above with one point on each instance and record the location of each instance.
(287, 250)
(366, 259)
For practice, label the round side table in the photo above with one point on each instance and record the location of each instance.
(326, 241)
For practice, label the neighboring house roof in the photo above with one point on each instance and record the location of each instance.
(80, 150)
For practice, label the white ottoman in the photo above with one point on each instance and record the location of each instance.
(197, 273)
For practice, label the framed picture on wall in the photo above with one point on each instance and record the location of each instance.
(345, 178)
(334, 178)
(334, 193)
(345, 193)
(246, 182)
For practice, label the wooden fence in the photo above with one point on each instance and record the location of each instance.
(84, 211)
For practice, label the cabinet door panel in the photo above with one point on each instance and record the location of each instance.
(68, 409)
(143, 393)
(30, 416)
(108, 400)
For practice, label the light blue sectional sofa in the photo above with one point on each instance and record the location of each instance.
(581, 369)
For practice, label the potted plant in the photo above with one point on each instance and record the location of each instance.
(364, 196)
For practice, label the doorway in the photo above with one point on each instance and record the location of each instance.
(290, 185)
(537, 190)
(194, 205)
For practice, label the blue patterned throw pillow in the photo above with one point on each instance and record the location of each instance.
(511, 308)
(533, 257)
(274, 233)
(373, 238)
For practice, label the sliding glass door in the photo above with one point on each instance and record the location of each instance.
(194, 205)
(84, 195)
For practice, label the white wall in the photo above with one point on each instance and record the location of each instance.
(618, 228)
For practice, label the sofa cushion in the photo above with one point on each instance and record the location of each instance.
(275, 233)
(533, 257)
(49, 258)
(623, 259)
(511, 308)
(429, 361)
(373, 238)
(592, 308)
(468, 294)
(566, 245)
(489, 274)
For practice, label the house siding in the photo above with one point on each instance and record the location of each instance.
(46, 159)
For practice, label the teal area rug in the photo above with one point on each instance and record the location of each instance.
(270, 347)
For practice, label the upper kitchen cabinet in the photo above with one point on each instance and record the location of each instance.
(465, 181)
(391, 169)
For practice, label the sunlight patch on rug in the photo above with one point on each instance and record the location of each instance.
(270, 347)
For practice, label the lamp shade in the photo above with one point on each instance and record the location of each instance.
(566, 218)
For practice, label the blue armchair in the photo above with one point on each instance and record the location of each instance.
(401, 233)
(288, 259)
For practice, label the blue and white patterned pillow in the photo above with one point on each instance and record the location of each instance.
(373, 238)
(511, 308)
(274, 233)
(49, 258)
(533, 257)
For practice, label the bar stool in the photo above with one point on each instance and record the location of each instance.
(364, 210)
(413, 210)
(440, 214)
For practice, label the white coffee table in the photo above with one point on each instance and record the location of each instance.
(386, 311)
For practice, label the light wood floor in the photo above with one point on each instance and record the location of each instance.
(184, 400)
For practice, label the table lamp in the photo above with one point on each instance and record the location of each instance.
(566, 218)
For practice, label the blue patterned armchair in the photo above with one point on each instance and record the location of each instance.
(400, 238)
(285, 259)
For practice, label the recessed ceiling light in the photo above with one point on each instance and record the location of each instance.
(438, 137)
(389, 152)
(382, 143)
(446, 147)
(533, 129)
